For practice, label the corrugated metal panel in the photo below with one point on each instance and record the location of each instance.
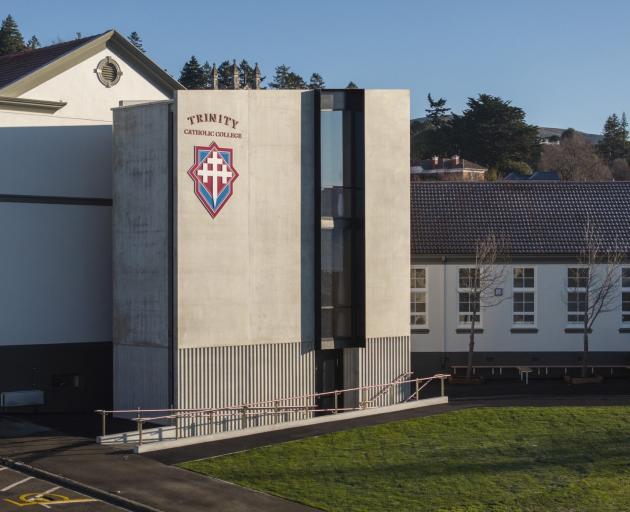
(381, 361)
(212, 377)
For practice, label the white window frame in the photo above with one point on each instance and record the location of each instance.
(625, 289)
(424, 290)
(515, 290)
(579, 289)
(460, 324)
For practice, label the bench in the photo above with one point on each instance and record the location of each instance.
(524, 371)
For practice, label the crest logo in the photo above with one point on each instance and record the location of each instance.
(214, 174)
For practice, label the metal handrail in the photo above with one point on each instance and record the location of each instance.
(277, 406)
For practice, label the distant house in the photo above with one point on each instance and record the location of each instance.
(454, 168)
(536, 176)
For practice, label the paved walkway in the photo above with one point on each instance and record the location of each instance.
(142, 480)
(151, 481)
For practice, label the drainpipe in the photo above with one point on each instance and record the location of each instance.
(444, 305)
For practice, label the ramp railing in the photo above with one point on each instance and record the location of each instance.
(190, 422)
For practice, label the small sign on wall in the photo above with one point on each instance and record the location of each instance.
(498, 292)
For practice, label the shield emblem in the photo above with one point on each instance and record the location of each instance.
(213, 174)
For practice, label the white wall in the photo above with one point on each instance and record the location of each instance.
(551, 281)
(87, 98)
(55, 274)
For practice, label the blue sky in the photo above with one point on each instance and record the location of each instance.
(564, 62)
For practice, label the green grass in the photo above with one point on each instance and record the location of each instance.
(487, 459)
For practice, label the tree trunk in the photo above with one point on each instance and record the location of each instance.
(585, 354)
(471, 348)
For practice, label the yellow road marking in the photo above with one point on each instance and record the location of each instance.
(46, 500)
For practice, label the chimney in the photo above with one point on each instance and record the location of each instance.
(256, 77)
(235, 79)
(214, 77)
(436, 160)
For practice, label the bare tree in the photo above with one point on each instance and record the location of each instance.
(482, 281)
(575, 159)
(595, 281)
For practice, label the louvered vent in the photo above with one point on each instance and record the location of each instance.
(109, 72)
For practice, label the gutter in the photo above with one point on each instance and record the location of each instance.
(31, 105)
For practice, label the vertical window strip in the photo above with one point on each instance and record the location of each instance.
(524, 296)
(577, 280)
(418, 298)
(468, 298)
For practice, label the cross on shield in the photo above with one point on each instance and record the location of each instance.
(213, 174)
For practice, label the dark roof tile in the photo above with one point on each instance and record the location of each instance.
(18, 65)
(448, 218)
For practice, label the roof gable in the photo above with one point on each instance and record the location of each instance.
(21, 72)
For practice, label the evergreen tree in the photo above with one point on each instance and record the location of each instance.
(438, 113)
(33, 43)
(11, 40)
(192, 75)
(614, 144)
(224, 72)
(284, 78)
(316, 81)
(352, 85)
(135, 40)
(492, 132)
(206, 69)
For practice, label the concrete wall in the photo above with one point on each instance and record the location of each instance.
(387, 224)
(496, 322)
(141, 255)
(244, 276)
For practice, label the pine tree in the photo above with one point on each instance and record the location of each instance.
(192, 75)
(316, 81)
(33, 43)
(224, 71)
(352, 85)
(11, 40)
(614, 143)
(206, 69)
(284, 78)
(437, 113)
(135, 40)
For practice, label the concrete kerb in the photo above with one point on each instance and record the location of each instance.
(168, 444)
(92, 492)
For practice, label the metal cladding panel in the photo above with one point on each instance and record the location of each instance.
(213, 377)
(381, 361)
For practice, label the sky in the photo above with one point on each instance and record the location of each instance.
(565, 62)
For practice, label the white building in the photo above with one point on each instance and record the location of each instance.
(261, 243)
(539, 322)
(55, 212)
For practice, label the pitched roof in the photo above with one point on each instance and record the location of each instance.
(532, 218)
(20, 72)
(17, 65)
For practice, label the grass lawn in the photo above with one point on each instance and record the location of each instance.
(487, 459)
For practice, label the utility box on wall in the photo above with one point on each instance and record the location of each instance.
(223, 249)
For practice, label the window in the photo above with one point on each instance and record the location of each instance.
(577, 281)
(339, 197)
(418, 297)
(625, 296)
(468, 298)
(523, 296)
